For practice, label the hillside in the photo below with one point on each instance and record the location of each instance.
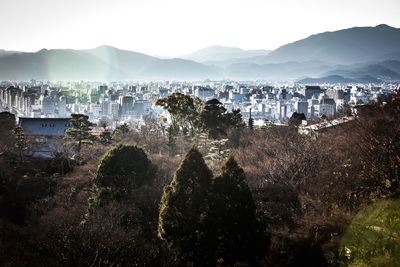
(102, 63)
(348, 46)
(217, 53)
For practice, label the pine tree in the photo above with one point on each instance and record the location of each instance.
(121, 131)
(185, 209)
(240, 235)
(105, 138)
(20, 141)
(212, 119)
(80, 133)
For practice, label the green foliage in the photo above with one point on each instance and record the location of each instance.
(20, 141)
(20, 138)
(218, 150)
(373, 238)
(121, 131)
(204, 221)
(183, 109)
(240, 235)
(80, 133)
(172, 132)
(105, 138)
(215, 120)
(185, 209)
(121, 170)
(234, 119)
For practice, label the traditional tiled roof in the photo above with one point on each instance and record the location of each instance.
(45, 126)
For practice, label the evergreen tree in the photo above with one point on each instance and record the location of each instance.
(20, 141)
(105, 138)
(185, 209)
(121, 131)
(296, 119)
(122, 170)
(213, 119)
(80, 133)
(234, 119)
(240, 235)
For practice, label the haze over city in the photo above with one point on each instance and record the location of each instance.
(177, 27)
(199, 133)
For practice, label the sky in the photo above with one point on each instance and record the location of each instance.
(178, 27)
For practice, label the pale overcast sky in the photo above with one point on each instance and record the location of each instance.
(177, 27)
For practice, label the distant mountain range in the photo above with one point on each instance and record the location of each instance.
(101, 64)
(217, 53)
(347, 56)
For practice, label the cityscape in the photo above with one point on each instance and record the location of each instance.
(122, 102)
(205, 133)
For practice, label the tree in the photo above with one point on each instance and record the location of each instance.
(183, 109)
(121, 131)
(20, 141)
(185, 209)
(7, 122)
(234, 119)
(296, 118)
(212, 119)
(240, 235)
(105, 138)
(80, 133)
(121, 170)
(215, 120)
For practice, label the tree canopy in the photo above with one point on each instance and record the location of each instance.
(240, 235)
(296, 118)
(121, 170)
(185, 209)
(215, 120)
(183, 109)
(80, 133)
(205, 221)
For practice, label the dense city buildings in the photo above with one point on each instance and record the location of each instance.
(131, 101)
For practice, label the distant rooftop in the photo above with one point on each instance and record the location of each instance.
(45, 126)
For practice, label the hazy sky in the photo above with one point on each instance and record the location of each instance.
(177, 27)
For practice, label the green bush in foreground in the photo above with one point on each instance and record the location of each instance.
(121, 170)
(373, 238)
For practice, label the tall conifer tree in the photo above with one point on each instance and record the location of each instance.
(185, 210)
(240, 235)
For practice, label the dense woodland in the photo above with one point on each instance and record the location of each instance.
(205, 189)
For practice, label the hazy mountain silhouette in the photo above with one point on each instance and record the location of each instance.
(349, 46)
(101, 63)
(218, 53)
(287, 70)
(385, 71)
(339, 79)
(360, 53)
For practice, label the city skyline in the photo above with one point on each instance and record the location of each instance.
(175, 27)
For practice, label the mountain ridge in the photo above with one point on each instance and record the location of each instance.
(352, 53)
